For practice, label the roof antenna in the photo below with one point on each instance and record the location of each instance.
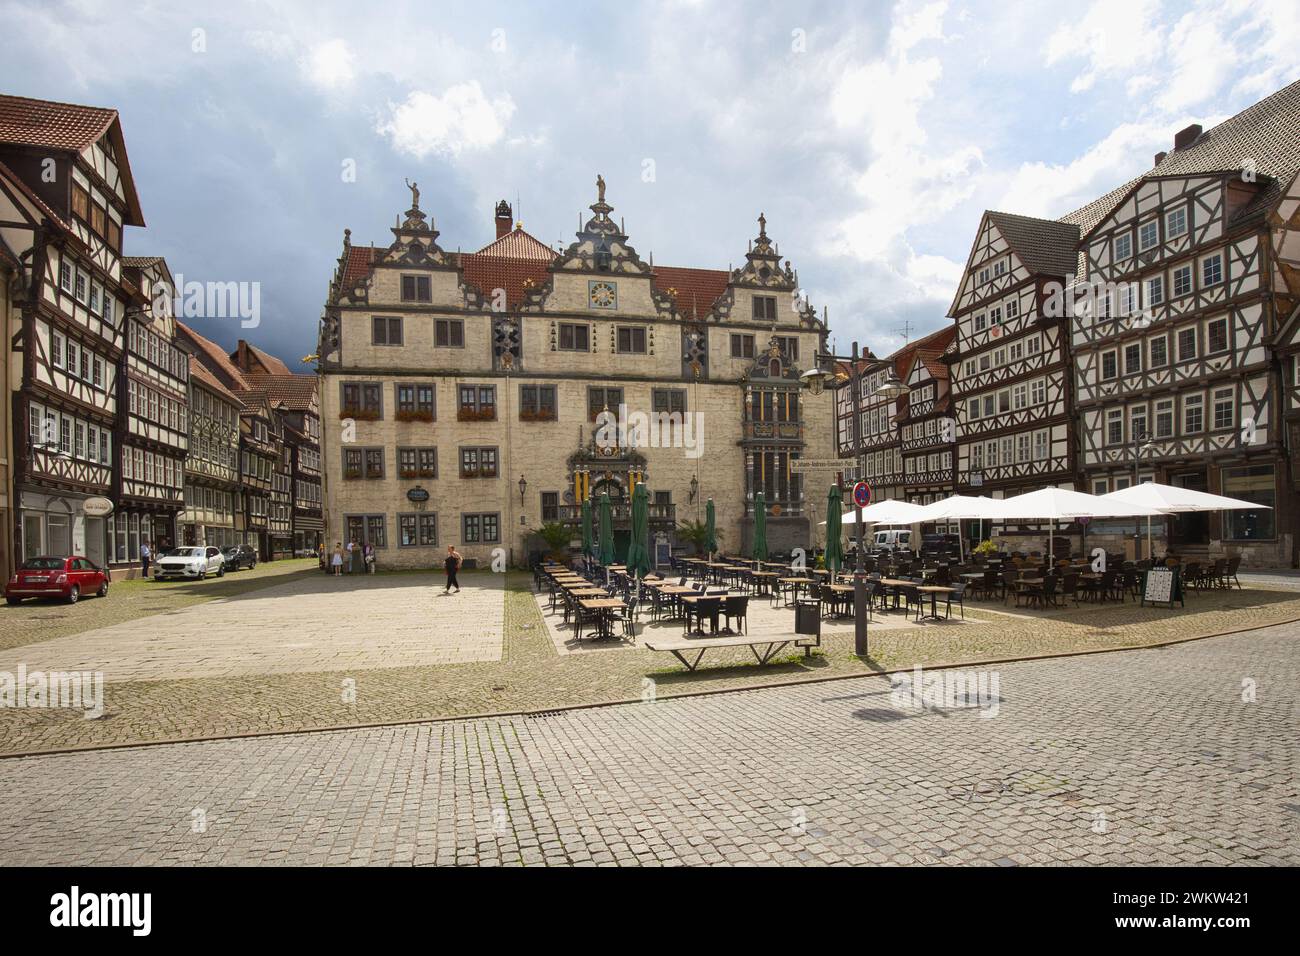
(905, 331)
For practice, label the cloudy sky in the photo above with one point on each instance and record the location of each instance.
(872, 136)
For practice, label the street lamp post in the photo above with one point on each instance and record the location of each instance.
(817, 378)
(1142, 442)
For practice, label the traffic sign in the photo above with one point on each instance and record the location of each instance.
(862, 494)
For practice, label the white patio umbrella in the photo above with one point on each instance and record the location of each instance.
(962, 507)
(1060, 504)
(886, 512)
(1170, 499)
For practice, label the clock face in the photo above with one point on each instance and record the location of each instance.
(602, 295)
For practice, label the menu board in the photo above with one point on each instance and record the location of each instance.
(1162, 586)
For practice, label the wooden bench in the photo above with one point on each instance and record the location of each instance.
(677, 647)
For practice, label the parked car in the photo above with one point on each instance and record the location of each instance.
(892, 540)
(50, 577)
(195, 563)
(240, 556)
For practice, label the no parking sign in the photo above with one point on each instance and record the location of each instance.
(862, 494)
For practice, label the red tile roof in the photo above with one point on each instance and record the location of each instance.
(214, 358)
(695, 289)
(518, 244)
(68, 127)
(253, 361)
(516, 275)
(200, 372)
(359, 261)
(296, 392)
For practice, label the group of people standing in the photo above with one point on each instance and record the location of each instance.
(354, 558)
(358, 559)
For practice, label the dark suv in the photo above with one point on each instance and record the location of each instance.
(240, 556)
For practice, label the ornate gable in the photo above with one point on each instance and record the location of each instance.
(762, 268)
(602, 244)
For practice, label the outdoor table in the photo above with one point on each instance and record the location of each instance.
(934, 591)
(763, 580)
(713, 618)
(603, 605)
(587, 593)
(794, 583)
(894, 584)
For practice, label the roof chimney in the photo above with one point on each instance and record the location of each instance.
(1160, 158)
(1186, 137)
(505, 218)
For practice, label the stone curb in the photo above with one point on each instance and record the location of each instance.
(339, 728)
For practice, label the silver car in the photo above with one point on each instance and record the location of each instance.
(195, 563)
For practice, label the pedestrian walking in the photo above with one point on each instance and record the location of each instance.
(337, 560)
(354, 558)
(370, 558)
(452, 565)
(145, 554)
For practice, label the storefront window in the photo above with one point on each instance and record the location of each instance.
(1256, 484)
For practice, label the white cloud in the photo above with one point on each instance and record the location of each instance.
(328, 65)
(459, 120)
(1112, 36)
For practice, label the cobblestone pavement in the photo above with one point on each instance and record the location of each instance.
(309, 624)
(531, 675)
(1183, 755)
(33, 621)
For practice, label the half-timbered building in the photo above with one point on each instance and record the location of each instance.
(461, 393)
(1186, 284)
(153, 403)
(212, 490)
(1009, 362)
(259, 458)
(68, 193)
(296, 404)
(908, 441)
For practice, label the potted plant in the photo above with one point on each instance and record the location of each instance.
(697, 533)
(557, 536)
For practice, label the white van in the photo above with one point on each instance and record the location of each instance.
(894, 539)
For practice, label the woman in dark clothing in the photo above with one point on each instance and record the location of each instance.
(452, 565)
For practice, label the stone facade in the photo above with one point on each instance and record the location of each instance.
(472, 376)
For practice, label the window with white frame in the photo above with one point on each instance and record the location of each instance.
(1182, 281)
(1148, 235)
(1115, 426)
(1212, 270)
(1193, 413)
(1123, 246)
(1225, 403)
(1175, 222)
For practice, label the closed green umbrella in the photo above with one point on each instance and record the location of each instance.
(588, 545)
(834, 528)
(638, 555)
(606, 531)
(710, 524)
(760, 527)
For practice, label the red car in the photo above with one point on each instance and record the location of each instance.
(66, 578)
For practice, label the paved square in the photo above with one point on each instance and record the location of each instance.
(1146, 757)
(314, 624)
